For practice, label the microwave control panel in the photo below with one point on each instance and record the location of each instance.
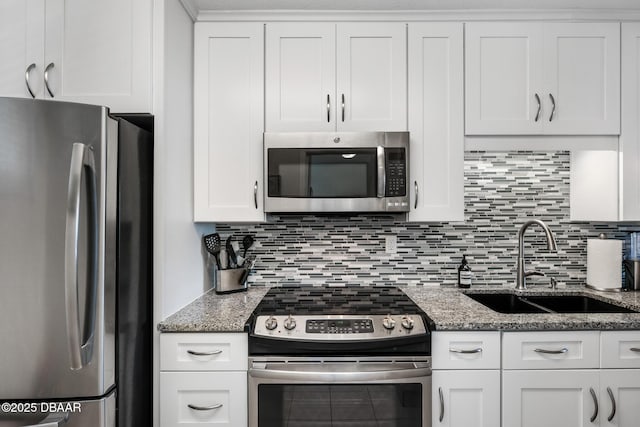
(396, 172)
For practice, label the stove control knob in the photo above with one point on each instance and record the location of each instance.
(271, 323)
(290, 323)
(407, 322)
(388, 322)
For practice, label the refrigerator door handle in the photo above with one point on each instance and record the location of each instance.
(56, 419)
(82, 160)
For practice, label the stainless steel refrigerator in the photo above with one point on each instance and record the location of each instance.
(75, 266)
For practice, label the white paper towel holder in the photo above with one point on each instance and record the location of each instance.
(595, 288)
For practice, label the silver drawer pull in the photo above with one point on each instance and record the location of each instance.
(459, 351)
(635, 349)
(545, 351)
(613, 404)
(204, 353)
(205, 408)
(441, 417)
(595, 405)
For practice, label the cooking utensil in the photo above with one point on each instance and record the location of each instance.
(231, 254)
(247, 265)
(212, 243)
(247, 242)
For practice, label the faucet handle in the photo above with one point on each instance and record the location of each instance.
(554, 284)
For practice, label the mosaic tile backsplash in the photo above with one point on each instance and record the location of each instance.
(502, 191)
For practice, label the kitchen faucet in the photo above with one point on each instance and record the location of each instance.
(551, 245)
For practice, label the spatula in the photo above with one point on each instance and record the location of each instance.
(231, 254)
(212, 243)
(247, 242)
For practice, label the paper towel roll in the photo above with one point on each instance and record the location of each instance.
(604, 263)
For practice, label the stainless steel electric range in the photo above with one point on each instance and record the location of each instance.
(339, 356)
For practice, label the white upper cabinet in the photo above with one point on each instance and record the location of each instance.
(436, 121)
(630, 134)
(228, 122)
(87, 51)
(21, 48)
(542, 78)
(327, 77)
(300, 77)
(503, 77)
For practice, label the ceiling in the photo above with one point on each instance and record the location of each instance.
(442, 5)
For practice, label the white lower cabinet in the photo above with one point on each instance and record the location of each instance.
(203, 379)
(466, 379)
(203, 399)
(466, 398)
(550, 398)
(620, 397)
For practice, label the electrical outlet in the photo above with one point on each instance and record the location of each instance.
(391, 244)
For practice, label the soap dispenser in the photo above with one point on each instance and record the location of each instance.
(464, 274)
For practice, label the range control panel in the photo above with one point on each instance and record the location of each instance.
(339, 327)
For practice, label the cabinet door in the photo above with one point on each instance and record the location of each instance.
(300, 77)
(435, 121)
(101, 52)
(228, 122)
(582, 66)
(372, 76)
(503, 77)
(555, 398)
(630, 131)
(21, 44)
(203, 399)
(466, 398)
(620, 397)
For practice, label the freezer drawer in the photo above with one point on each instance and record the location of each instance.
(80, 413)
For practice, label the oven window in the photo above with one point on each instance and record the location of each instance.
(322, 173)
(340, 405)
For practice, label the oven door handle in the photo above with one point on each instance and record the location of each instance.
(382, 171)
(328, 372)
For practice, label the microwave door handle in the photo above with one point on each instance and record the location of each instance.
(382, 177)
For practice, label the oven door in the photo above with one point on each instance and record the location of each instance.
(339, 393)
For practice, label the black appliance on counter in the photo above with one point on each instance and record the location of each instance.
(333, 355)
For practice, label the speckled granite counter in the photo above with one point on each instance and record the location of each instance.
(450, 309)
(215, 313)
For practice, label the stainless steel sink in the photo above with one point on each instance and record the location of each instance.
(515, 304)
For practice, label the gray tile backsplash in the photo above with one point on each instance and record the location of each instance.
(502, 190)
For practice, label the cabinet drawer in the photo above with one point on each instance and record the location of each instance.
(620, 349)
(465, 350)
(203, 352)
(203, 399)
(550, 350)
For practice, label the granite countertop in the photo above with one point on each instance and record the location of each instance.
(215, 312)
(449, 308)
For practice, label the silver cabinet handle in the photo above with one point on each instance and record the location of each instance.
(595, 405)
(205, 408)
(81, 160)
(553, 107)
(204, 353)
(255, 194)
(441, 404)
(459, 351)
(415, 190)
(328, 109)
(635, 349)
(343, 107)
(46, 78)
(545, 351)
(26, 79)
(539, 107)
(613, 404)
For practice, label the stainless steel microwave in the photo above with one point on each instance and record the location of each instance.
(336, 172)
